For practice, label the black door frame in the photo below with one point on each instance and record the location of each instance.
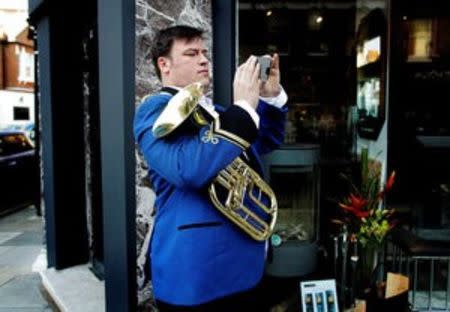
(116, 35)
(61, 106)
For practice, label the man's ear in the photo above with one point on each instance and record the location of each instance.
(164, 64)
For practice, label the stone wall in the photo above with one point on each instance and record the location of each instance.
(151, 16)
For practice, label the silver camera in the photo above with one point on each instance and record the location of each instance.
(265, 62)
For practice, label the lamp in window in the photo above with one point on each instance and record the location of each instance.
(316, 17)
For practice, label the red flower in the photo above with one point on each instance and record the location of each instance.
(355, 206)
(357, 202)
(390, 182)
(388, 186)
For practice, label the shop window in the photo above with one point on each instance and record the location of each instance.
(296, 194)
(316, 44)
(315, 41)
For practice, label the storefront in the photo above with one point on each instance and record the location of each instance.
(359, 74)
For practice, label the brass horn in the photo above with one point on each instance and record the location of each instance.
(179, 108)
(237, 186)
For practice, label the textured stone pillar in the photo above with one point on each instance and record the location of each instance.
(151, 16)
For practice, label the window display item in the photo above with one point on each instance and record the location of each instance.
(319, 296)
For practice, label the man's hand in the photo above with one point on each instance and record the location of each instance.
(271, 87)
(247, 83)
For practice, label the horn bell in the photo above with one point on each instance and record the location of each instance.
(178, 109)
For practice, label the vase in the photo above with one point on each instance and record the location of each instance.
(369, 267)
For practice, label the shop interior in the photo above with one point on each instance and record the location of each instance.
(359, 74)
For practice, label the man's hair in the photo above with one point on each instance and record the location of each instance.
(164, 41)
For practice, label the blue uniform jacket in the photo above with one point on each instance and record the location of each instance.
(197, 254)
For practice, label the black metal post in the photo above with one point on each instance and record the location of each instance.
(224, 50)
(42, 26)
(62, 131)
(116, 34)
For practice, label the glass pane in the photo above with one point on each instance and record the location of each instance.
(315, 41)
(296, 195)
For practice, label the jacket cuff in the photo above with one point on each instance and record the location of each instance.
(278, 101)
(237, 126)
(250, 110)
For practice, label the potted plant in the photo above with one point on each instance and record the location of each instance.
(365, 216)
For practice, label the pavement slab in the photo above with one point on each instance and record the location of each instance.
(6, 236)
(22, 256)
(25, 239)
(23, 293)
(67, 286)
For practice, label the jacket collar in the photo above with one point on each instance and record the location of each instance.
(170, 90)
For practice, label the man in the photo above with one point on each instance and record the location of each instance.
(201, 261)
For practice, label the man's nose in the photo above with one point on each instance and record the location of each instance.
(203, 59)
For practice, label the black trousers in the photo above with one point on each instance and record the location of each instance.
(255, 299)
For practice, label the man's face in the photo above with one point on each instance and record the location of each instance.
(187, 63)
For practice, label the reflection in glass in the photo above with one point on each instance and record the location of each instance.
(296, 195)
(315, 41)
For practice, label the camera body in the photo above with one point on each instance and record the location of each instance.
(265, 62)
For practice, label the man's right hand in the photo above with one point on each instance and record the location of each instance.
(247, 83)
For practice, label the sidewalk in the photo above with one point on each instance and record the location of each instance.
(22, 256)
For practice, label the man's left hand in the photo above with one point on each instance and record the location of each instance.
(271, 87)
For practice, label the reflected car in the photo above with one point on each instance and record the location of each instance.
(27, 128)
(19, 181)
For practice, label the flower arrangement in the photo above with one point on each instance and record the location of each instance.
(365, 213)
